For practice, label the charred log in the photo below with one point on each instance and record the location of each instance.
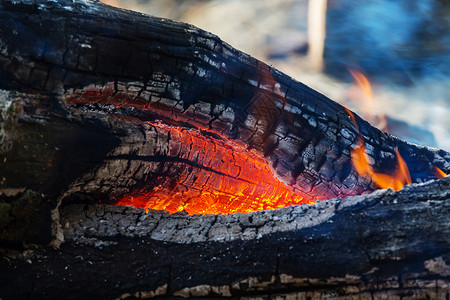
(84, 54)
(99, 104)
(129, 86)
(385, 245)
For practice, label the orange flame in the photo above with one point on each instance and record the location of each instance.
(439, 173)
(360, 161)
(369, 108)
(364, 83)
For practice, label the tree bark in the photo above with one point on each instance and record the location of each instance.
(95, 104)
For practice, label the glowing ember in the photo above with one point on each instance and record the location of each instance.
(214, 176)
(360, 161)
(439, 173)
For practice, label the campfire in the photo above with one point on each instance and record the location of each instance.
(205, 170)
(143, 157)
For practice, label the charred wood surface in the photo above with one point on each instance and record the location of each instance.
(94, 104)
(388, 244)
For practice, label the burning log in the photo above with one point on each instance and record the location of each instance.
(101, 106)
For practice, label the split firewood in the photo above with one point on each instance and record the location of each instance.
(100, 106)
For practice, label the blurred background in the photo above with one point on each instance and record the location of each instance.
(389, 61)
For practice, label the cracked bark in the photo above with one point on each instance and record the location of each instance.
(90, 96)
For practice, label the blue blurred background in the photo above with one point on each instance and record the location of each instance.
(401, 41)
